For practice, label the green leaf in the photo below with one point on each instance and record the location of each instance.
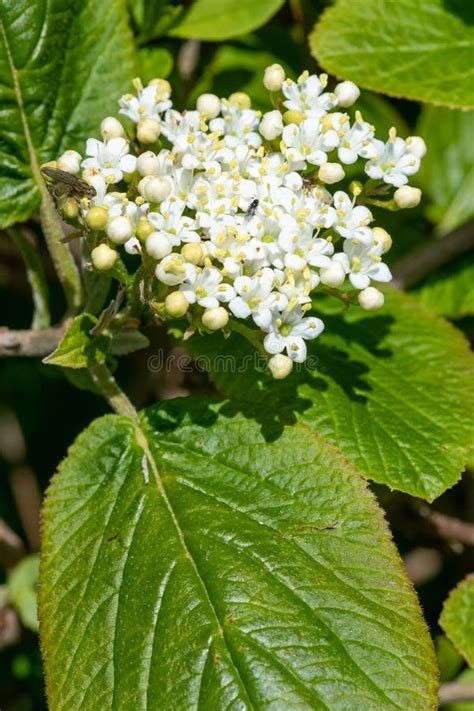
(154, 62)
(416, 50)
(252, 572)
(450, 291)
(62, 65)
(392, 389)
(447, 170)
(127, 340)
(36, 277)
(78, 349)
(457, 618)
(448, 658)
(217, 20)
(22, 583)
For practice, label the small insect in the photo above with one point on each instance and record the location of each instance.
(252, 208)
(64, 185)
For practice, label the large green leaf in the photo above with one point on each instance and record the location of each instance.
(218, 20)
(447, 171)
(393, 390)
(252, 572)
(457, 618)
(62, 66)
(417, 50)
(450, 291)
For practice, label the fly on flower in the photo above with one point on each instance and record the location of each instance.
(252, 208)
(63, 185)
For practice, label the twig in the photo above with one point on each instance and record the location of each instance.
(423, 261)
(456, 691)
(448, 527)
(12, 548)
(38, 343)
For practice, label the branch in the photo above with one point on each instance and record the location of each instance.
(37, 343)
(12, 548)
(416, 265)
(448, 527)
(456, 691)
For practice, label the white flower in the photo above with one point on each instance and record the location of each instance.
(355, 140)
(363, 263)
(288, 331)
(174, 269)
(352, 220)
(110, 158)
(206, 288)
(306, 95)
(237, 126)
(150, 102)
(171, 223)
(308, 142)
(393, 162)
(254, 295)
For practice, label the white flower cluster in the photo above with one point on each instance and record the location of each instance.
(233, 209)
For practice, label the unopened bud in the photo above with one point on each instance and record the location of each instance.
(271, 125)
(148, 163)
(209, 105)
(97, 218)
(371, 299)
(333, 275)
(240, 99)
(148, 130)
(296, 117)
(70, 209)
(406, 197)
(119, 229)
(70, 162)
(416, 145)
(143, 229)
(176, 304)
(273, 77)
(280, 366)
(347, 93)
(381, 235)
(111, 128)
(154, 189)
(103, 257)
(193, 252)
(158, 245)
(355, 187)
(214, 319)
(331, 173)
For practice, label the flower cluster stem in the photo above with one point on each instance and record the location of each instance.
(109, 388)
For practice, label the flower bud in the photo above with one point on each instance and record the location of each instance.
(148, 163)
(103, 257)
(331, 173)
(347, 93)
(273, 77)
(70, 162)
(381, 235)
(371, 299)
(271, 125)
(148, 130)
(162, 86)
(111, 128)
(296, 117)
(97, 218)
(332, 275)
(416, 145)
(154, 189)
(176, 304)
(193, 252)
(119, 229)
(280, 366)
(143, 229)
(70, 209)
(406, 197)
(214, 319)
(158, 245)
(355, 187)
(240, 99)
(209, 105)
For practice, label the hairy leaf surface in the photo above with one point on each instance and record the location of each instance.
(457, 618)
(392, 389)
(417, 50)
(253, 571)
(62, 66)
